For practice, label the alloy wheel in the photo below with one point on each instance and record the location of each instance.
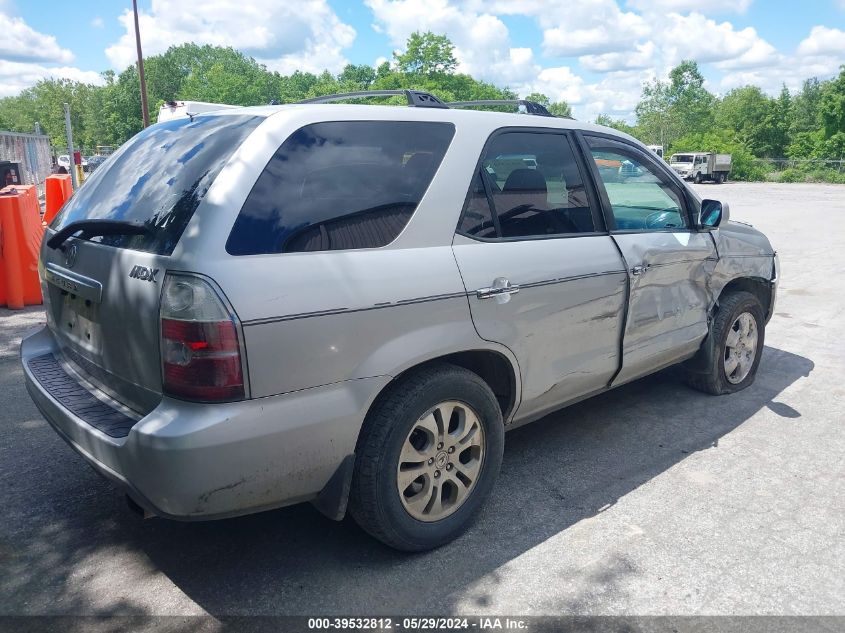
(440, 461)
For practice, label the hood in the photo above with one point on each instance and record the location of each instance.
(739, 238)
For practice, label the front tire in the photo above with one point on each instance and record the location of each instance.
(427, 458)
(738, 333)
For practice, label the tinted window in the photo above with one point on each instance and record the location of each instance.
(158, 177)
(642, 198)
(535, 186)
(340, 185)
(477, 218)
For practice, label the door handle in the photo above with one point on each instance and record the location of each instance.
(639, 270)
(501, 288)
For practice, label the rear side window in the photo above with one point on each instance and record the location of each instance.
(340, 185)
(158, 177)
(534, 185)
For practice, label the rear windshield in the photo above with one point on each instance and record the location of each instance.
(158, 177)
(340, 185)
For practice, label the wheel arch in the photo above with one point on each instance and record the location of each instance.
(497, 368)
(757, 286)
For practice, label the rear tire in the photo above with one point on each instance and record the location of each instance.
(738, 332)
(407, 432)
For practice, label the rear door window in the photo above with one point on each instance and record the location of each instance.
(340, 185)
(534, 184)
(158, 177)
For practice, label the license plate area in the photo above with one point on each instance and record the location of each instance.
(79, 322)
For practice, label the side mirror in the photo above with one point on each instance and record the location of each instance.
(713, 214)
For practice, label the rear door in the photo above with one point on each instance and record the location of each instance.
(102, 292)
(668, 260)
(543, 278)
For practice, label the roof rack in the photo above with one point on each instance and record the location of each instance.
(528, 107)
(416, 98)
(420, 99)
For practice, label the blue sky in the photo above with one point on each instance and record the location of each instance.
(594, 53)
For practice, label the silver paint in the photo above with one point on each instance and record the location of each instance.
(324, 333)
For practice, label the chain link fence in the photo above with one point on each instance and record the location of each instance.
(781, 164)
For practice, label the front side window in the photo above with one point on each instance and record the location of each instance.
(340, 185)
(641, 198)
(533, 183)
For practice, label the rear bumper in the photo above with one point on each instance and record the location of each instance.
(190, 461)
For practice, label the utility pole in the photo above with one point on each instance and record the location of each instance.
(72, 169)
(145, 110)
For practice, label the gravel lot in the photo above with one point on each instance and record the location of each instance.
(651, 499)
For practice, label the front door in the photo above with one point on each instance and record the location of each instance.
(543, 277)
(668, 260)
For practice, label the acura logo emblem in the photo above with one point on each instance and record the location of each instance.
(70, 255)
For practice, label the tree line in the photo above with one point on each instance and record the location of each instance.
(678, 113)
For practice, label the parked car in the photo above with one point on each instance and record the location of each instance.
(343, 304)
(95, 161)
(65, 161)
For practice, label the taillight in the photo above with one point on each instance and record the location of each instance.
(200, 353)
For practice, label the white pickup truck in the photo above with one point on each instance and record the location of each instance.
(700, 166)
(184, 109)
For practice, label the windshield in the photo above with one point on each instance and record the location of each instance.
(681, 158)
(158, 177)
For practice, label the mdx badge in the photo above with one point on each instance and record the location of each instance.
(144, 273)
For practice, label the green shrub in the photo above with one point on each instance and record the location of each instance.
(810, 174)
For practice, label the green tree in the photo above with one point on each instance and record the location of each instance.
(746, 113)
(832, 105)
(427, 53)
(805, 107)
(558, 108)
(616, 124)
(680, 106)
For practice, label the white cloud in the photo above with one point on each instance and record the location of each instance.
(22, 43)
(643, 57)
(697, 37)
(679, 6)
(286, 36)
(97, 22)
(820, 55)
(823, 41)
(16, 76)
(482, 43)
(27, 56)
(595, 32)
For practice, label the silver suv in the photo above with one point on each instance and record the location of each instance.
(350, 304)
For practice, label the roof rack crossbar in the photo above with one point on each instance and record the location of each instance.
(415, 98)
(531, 107)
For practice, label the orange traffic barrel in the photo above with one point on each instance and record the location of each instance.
(59, 189)
(20, 240)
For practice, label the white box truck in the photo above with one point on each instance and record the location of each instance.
(701, 166)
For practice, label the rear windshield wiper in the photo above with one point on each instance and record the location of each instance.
(91, 228)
